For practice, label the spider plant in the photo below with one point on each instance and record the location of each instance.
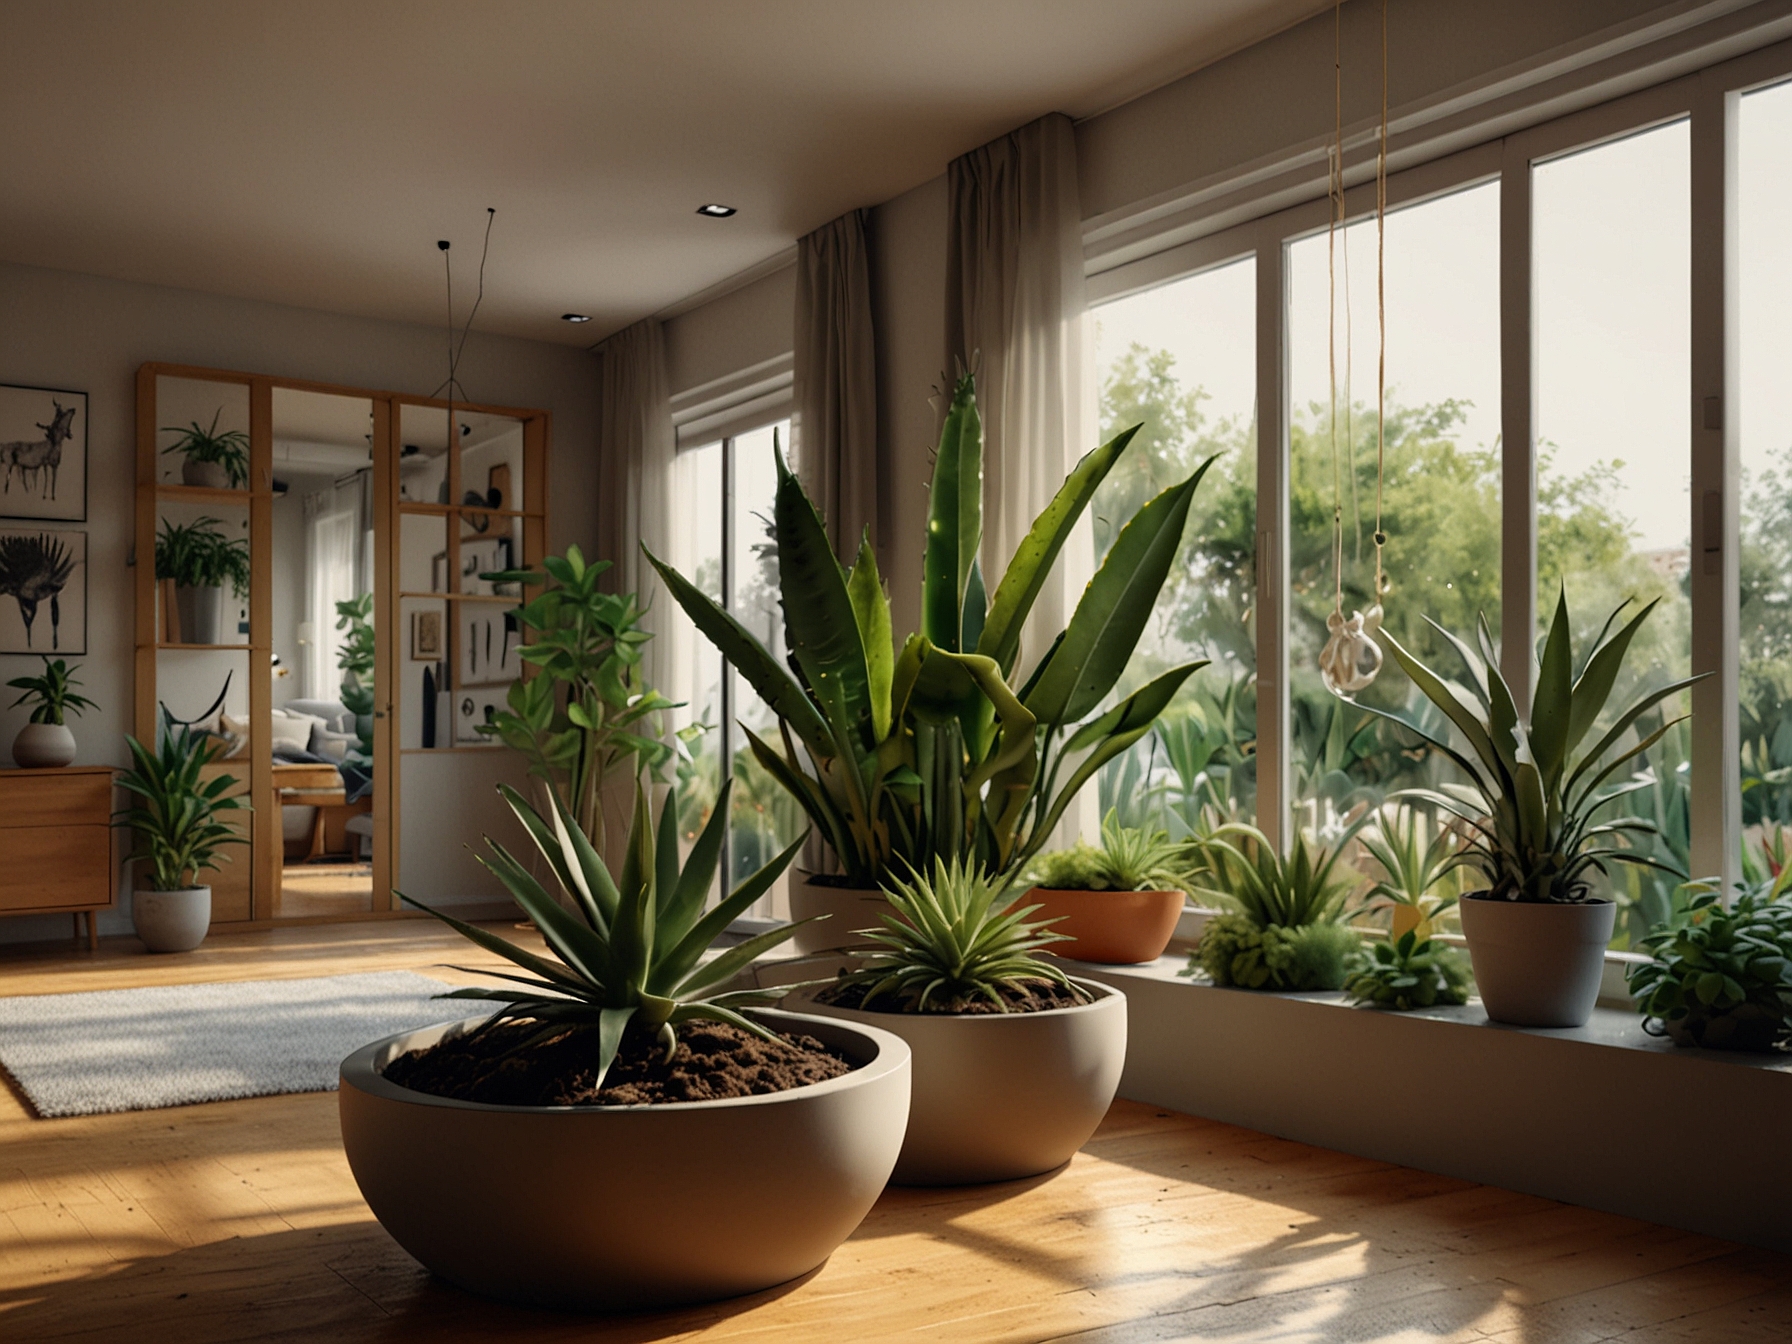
(1131, 858)
(954, 938)
(229, 450)
(630, 951)
(52, 695)
(1415, 856)
(1410, 971)
(941, 748)
(176, 818)
(1534, 794)
(198, 555)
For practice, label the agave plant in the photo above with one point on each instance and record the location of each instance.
(941, 749)
(954, 938)
(631, 957)
(175, 817)
(1534, 794)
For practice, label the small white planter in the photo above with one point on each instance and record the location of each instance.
(848, 909)
(627, 1207)
(999, 1096)
(212, 475)
(1537, 964)
(172, 921)
(43, 746)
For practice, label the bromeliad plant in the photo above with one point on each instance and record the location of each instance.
(630, 951)
(954, 939)
(1721, 978)
(1534, 793)
(1409, 972)
(53, 695)
(1131, 858)
(942, 749)
(176, 816)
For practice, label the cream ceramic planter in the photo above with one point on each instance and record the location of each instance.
(848, 909)
(172, 921)
(42, 746)
(999, 1096)
(627, 1207)
(1537, 964)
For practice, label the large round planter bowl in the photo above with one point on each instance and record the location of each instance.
(999, 1096)
(1537, 964)
(848, 909)
(43, 746)
(211, 475)
(621, 1208)
(172, 921)
(1114, 928)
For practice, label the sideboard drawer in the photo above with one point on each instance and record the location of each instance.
(60, 868)
(50, 798)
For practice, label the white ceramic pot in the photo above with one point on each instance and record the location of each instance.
(848, 909)
(627, 1207)
(201, 614)
(172, 921)
(42, 746)
(212, 475)
(999, 1096)
(1537, 964)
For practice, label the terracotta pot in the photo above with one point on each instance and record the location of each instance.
(620, 1208)
(1537, 964)
(42, 746)
(172, 921)
(847, 909)
(1114, 928)
(999, 1096)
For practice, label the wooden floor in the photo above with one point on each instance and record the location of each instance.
(240, 1221)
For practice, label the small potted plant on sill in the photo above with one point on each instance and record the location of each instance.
(201, 560)
(1282, 926)
(1415, 857)
(46, 741)
(1413, 970)
(941, 748)
(179, 836)
(1720, 978)
(626, 1131)
(1118, 904)
(218, 461)
(1537, 934)
(1015, 1063)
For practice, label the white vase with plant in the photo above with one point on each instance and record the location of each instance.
(46, 742)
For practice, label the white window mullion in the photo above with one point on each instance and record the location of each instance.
(1518, 444)
(1274, 726)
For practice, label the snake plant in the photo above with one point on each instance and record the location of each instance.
(632, 955)
(1534, 792)
(939, 748)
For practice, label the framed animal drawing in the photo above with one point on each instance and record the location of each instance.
(43, 591)
(43, 454)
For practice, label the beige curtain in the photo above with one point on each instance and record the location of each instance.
(635, 447)
(1015, 314)
(833, 420)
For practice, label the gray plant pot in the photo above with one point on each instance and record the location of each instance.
(848, 909)
(627, 1207)
(201, 614)
(1000, 1096)
(43, 746)
(1537, 964)
(212, 475)
(172, 921)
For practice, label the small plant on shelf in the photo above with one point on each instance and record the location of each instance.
(226, 453)
(53, 695)
(199, 555)
(1415, 857)
(1130, 858)
(175, 817)
(1409, 972)
(1717, 977)
(1282, 924)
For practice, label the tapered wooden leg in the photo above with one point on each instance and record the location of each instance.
(93, 930)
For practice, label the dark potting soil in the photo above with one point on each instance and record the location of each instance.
(1025, 996)
(713, 1061)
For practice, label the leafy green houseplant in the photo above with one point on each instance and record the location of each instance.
(46, 741)
(176, 821)
(1721, 977)
(1117, 904)
(1407, 972)
(219, 460)
(1415, 858)
(587, 718)
(1533, 806)
(1282, 926)
(201, 559)
(945, 747)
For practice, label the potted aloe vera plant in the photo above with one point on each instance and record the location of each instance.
(1533, 805)
(1015, 1063)
(946, 746)
(1118, 903)
(627, 1130)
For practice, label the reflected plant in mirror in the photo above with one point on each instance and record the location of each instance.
(216, 459)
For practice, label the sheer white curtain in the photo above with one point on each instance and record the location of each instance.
(335, 540)
(833, 422)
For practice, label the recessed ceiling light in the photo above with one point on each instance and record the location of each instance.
(574, 317)
(716, 211)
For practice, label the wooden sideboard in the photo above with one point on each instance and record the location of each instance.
(56, 837)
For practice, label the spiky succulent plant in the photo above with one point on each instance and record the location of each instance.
(632, 955)
(954, 937)
(1130, 858)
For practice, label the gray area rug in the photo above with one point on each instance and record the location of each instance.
(171, 1045)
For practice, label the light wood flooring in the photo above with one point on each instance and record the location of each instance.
(239, 1221)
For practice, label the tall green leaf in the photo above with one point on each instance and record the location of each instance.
(954, 519)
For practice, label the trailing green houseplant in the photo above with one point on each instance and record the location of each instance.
(943, 748)
(1721, 977)
(199, 555)
(1407, 972)
(226, 453)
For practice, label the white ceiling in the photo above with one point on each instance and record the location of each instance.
(312, 151)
